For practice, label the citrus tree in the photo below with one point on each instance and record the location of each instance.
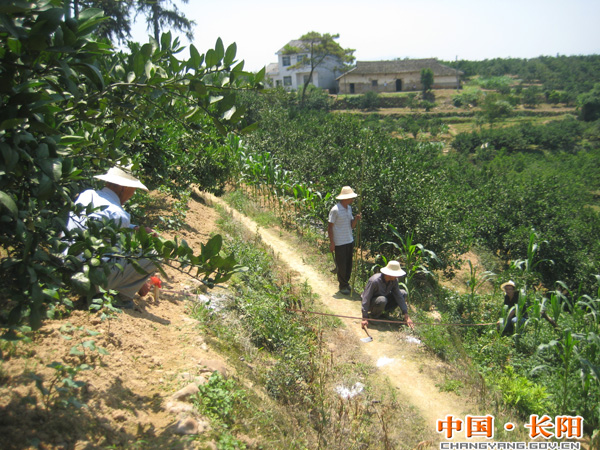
(72, 106)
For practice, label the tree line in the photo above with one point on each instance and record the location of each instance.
(575, 74)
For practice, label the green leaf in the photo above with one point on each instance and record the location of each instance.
(211, 58)
(88, 20)
(91, 344)
(92, 73)
(165, 40)
(76, 352)
(12, 123)
(7, 201)
(45, 188)
(71, 139)
(199, 87)
(250, 128)
(194, 60)
(219, 126)
(260, 75)
(81, 282)
(219, 49)
(212, 247)
(230, 54)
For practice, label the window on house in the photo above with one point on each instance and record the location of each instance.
(277, 83)
(285, 60)
(374, 83)
(287, 81)
(305, 79)
(300, 58)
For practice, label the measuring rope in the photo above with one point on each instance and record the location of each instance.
(399, 322)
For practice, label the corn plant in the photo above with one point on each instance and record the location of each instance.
(529, 264)
(475, 281)
(416, 258)
(566, 349)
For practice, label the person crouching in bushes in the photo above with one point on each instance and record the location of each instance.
(119, 188)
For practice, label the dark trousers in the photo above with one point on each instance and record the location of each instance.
(382, 304)
(343, 261)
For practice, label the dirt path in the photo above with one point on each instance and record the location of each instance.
(408, 366)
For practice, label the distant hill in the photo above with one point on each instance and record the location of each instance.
(576, 74)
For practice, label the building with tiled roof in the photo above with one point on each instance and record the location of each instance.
(395, 76)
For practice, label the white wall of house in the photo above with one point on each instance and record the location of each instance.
(324, 76)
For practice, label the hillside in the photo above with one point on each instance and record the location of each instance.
(135, 395)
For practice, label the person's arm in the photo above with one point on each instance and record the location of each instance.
(330, 234)
(400, 297)
(355, 220)
(366, 302)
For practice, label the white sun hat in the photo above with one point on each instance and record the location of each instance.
(347, 193)
(393, 269)
(508, 283)
(118, 176)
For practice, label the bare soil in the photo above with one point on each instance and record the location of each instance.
(156, 349)
(153, 351)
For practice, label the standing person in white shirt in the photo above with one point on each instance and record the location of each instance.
(119, 188)
(341, 241)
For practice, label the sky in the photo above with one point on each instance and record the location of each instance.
(387, 29)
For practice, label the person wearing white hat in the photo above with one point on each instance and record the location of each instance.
(341, 241)
(511, 299)
(383, 294)
(119, 188)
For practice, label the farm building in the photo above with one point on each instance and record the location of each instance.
(281, 73)
(395, 76)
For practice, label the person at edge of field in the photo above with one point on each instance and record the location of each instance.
(382, 294)
(511, 299)
(118, 189)
(341, 241)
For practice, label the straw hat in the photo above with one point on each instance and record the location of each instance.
(121, 178)
(393, 269)
(508, 283)
(346, 193)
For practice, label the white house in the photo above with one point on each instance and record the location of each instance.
(324, 75)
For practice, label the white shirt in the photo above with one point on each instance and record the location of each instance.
(341, 218)
(105, 197)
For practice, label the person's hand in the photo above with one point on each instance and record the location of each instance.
(332, 247)
(149, 231)
(364, 324)
(410, 323)
(358, 216)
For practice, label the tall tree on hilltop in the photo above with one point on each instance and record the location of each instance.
(116, 26)
(159, 17)
(318, 48)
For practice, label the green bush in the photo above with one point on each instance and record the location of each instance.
(369, 101)
(525, 395)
